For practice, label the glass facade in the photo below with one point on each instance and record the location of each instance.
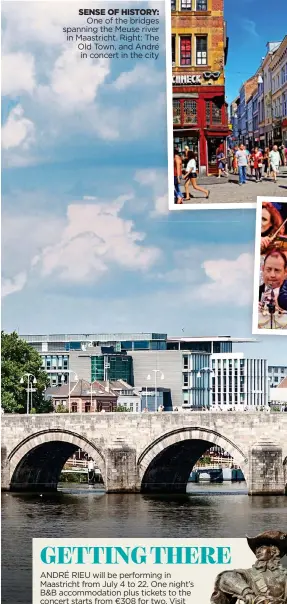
(112, 367)
(196, 380)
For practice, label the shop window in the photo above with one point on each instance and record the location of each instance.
(186, 4)
(201, 50)
(173, 50)
(208, 121)
(185, 50)
(201, 5)
(190, 112)
(176, 112)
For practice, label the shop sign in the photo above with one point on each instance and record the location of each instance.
(196, 79)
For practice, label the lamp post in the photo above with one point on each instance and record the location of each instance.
(28, 376)
(69, 371)
(203, 371)
(156, 371)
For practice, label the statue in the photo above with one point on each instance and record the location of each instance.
(264, 583)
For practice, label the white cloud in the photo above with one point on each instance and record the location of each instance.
(17, 130)
(226, 278)
(18, 73)
(231, 281)
(29, 22)
(74, 81)
(250, 27)
(156, 180)
(13, 285)
(146, 177)
(140, 75)
(160, 206)
(96, 237)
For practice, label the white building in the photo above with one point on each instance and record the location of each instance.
(276, 373)
(279, 394)
(238, 382)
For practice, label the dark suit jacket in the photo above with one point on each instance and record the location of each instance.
(282, 298)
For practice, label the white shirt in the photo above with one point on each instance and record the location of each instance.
(274, 157)
(191, 166)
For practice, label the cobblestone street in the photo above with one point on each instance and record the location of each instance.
(228, 190)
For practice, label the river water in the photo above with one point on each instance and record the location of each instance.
(81, 511)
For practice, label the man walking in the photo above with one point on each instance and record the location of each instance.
(242, 162)
(177, 172)
(275, 161)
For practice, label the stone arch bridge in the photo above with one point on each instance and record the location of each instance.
(145, 452)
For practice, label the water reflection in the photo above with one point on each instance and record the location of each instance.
(85, 512)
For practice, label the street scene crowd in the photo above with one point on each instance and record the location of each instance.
(255, 165)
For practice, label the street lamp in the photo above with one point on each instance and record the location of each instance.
(203, 371)
(156, 371)
(28, 376)
(69, 371)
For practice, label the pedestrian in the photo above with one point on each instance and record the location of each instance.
(191, 176)
(242, 160)
(251, 163)
(257, 159)
(221, 161)
(266, 162)
(177, 171)
(275, 162)
(185, 157)
(230, 159)
(91, 470)
(281, 151)
(234, 162)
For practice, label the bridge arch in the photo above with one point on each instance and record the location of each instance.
(37, 461)
(169, 459)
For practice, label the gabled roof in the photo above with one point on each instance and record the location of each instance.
(78, 389)
(283, 384)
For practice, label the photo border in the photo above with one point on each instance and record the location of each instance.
(256, 281)
(171, 205)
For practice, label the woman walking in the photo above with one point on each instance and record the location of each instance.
(266, 163)
(257, 159)
(191, 176)
(221, 161)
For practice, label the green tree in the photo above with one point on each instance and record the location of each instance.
(18, 358)
(121, 409)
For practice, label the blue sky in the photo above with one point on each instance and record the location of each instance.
(88, 242)
(250, 25)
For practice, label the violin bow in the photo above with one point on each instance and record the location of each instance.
(278, 230)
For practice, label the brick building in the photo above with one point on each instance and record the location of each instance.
(81, 399)
(199, 52)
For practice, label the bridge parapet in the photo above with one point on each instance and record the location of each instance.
(126, 446)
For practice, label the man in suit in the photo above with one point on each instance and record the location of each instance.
(274, 288)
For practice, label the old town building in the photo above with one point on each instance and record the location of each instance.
(278, 71)
(199, 51)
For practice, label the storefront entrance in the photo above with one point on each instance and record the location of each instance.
(212, 146)
(181, 141)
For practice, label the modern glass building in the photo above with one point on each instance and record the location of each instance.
(183, 365)
(112, 367)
